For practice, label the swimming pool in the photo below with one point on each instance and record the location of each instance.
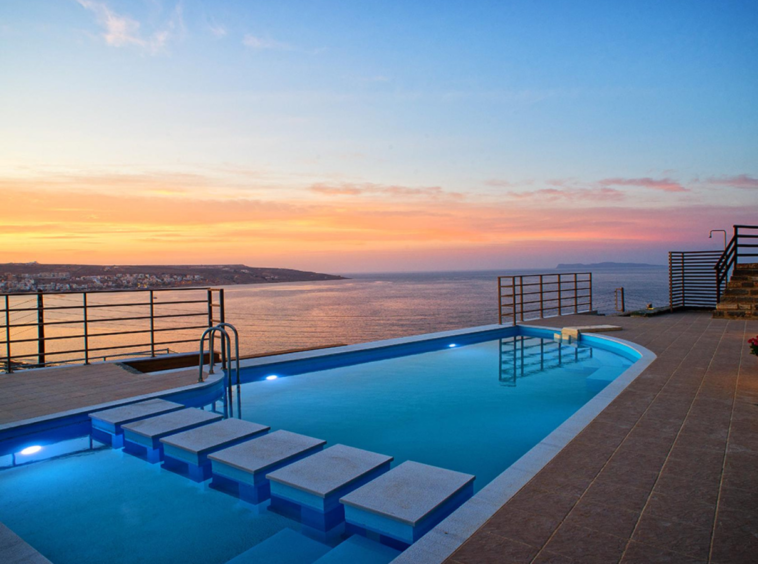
(474, 402)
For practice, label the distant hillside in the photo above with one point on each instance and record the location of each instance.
(30, 277)
(609, 265)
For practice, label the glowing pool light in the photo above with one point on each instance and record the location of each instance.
(272, 377)
(31, 450)
(452, 345)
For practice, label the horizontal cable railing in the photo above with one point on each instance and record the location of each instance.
(692, 279)
(53, 328)
(536, 296)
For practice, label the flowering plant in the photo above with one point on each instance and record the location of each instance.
(754, 345)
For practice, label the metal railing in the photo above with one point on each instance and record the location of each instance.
(66, 317)
(692, 279)
(536, 296)
(743, 245)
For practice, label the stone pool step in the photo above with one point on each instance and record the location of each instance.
(312, 487)
(191, 448)
(107, 424)
(406, 502)
(244, 466)
(359, 550)
(285, 547)
(147, 433)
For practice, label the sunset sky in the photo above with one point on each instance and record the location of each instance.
(373, 136)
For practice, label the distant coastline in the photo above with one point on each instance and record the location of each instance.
(609, 265)
(33, 276)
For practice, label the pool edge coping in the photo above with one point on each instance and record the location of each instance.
(444, 539)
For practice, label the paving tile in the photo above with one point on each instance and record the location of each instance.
(609, 519)
(683, 538)
(637, 553)
(670, 484)
(617, 494)
(492, 549)
(546, 557)
(527, 527)
(735, 539)
(586, 545)
(683, 507)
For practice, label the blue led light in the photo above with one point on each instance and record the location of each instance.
(272, 377)
(31, 450)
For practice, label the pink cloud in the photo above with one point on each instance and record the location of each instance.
(604, 194)
(740, 181)
(351, 189)
(663, 184)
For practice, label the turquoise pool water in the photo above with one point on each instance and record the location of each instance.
(474, 408)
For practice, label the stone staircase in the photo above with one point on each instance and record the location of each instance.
(740, 299)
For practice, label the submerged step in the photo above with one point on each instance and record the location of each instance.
(285, 547)
(313, 486)
(359, 550)
(107, 423)
(193, 447)
(406, 502)
(245, 465)
(147, 433)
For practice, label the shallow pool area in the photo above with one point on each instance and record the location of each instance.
(471, 403)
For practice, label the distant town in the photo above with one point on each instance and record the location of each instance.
(35, 277)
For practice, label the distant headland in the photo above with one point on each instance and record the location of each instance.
(609, 265)
(32, 276)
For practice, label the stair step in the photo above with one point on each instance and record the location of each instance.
(147, 433)
(359, 550)
(285, 547)
(739, 314)
(245, 465)
(736, 306)
(406, 502)
(108, 423)
(191, 448)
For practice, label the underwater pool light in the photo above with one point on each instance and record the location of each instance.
(452, 345)
(31, 450)
(272, 377)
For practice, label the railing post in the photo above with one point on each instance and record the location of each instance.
(86, 328)
(210, 307)
(500, 300)
(521, 296)
(513, 299)
(8, 366)
(221, 309)
(560, 296)
(40, 328)
(576, 295)
(590, 291)
(736, 246)
(152, 324)
(542, 296)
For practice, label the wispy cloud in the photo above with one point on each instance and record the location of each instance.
(217, 29)
(739, 181)
(261, 43)
(368, 188)
(662, 184)
(119, 30)
(603, 194)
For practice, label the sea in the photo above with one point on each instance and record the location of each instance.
(363, 307)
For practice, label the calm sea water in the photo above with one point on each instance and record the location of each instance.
(366, 307)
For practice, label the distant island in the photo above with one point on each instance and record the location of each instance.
(609, 265)
(33, 277)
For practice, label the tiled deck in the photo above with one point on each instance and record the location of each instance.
(668, 473)
(36, 393)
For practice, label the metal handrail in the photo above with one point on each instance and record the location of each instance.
(226, 351)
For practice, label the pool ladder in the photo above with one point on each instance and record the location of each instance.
(226, 351)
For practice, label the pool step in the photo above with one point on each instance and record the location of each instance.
(244, 466)
(359, 550)
(285, 547)
(107, 424)
(191, 448)
(145, 435)
(312, 487)
(406, 502)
